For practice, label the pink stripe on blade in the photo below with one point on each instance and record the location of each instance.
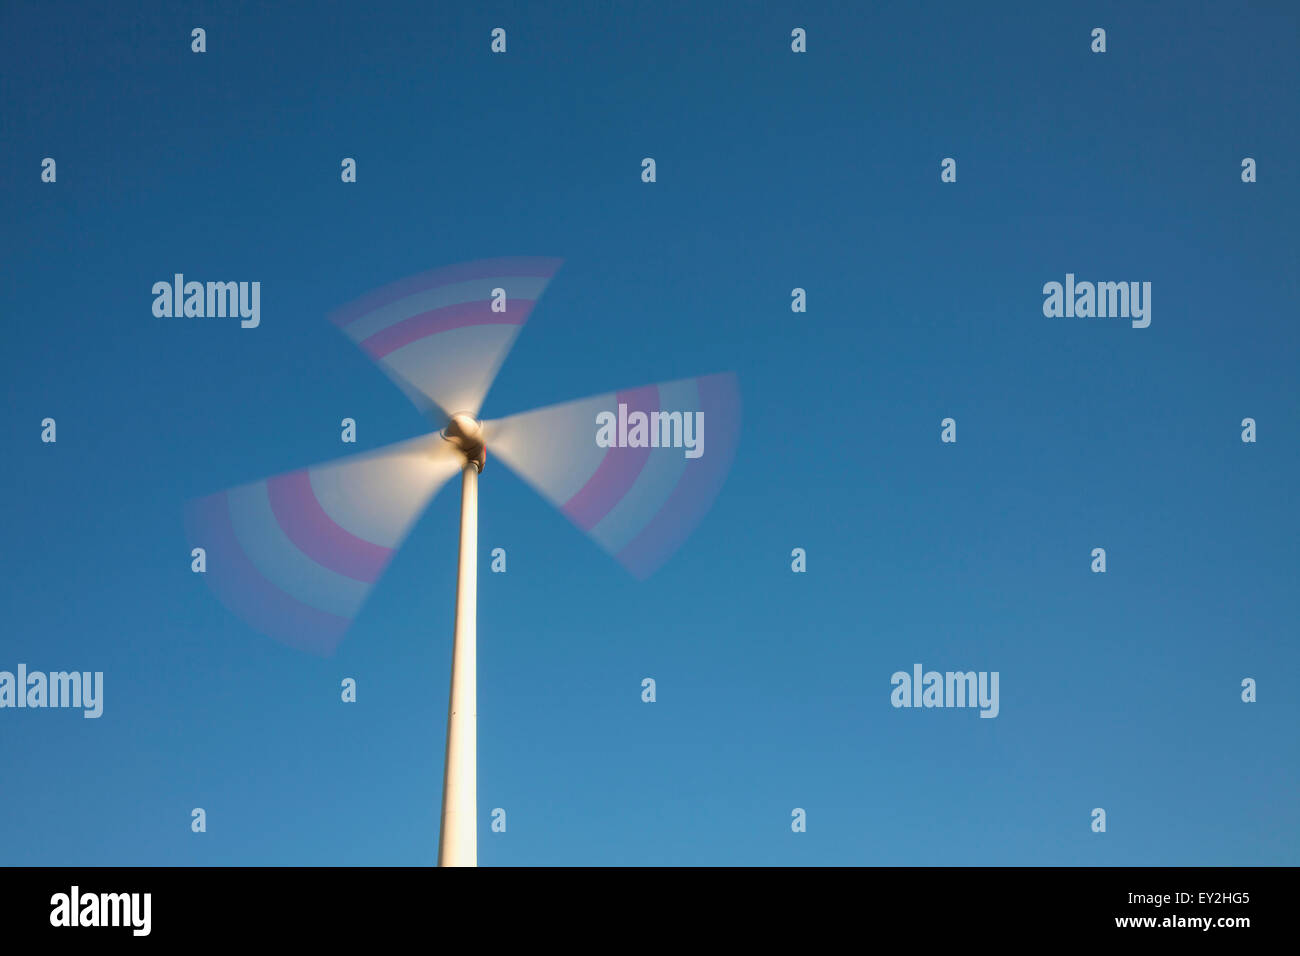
(314, 533)
(246, 592)
(533, 266)
(700, 482)
(618, 469)
(441, 320)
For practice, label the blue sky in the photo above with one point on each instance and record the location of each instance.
(775, 170)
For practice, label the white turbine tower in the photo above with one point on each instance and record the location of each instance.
(458, 832)
(296, 554)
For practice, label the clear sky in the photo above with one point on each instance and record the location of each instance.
(775, 170)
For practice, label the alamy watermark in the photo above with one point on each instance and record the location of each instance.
(208, 300)
(950, 689)
(75, 908)
(651, 430)
(1101, 300)
(56, 689)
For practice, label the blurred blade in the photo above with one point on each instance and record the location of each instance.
(436, 334)
(638, 503)
(295, 555)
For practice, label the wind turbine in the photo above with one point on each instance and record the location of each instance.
(296, 554)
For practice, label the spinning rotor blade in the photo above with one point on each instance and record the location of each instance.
(637, 501)
(436, 334)
(295, 555)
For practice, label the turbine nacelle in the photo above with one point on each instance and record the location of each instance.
(466, 433)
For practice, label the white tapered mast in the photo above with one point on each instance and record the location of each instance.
(458, 838)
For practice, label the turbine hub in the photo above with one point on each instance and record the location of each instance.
(466, 433)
